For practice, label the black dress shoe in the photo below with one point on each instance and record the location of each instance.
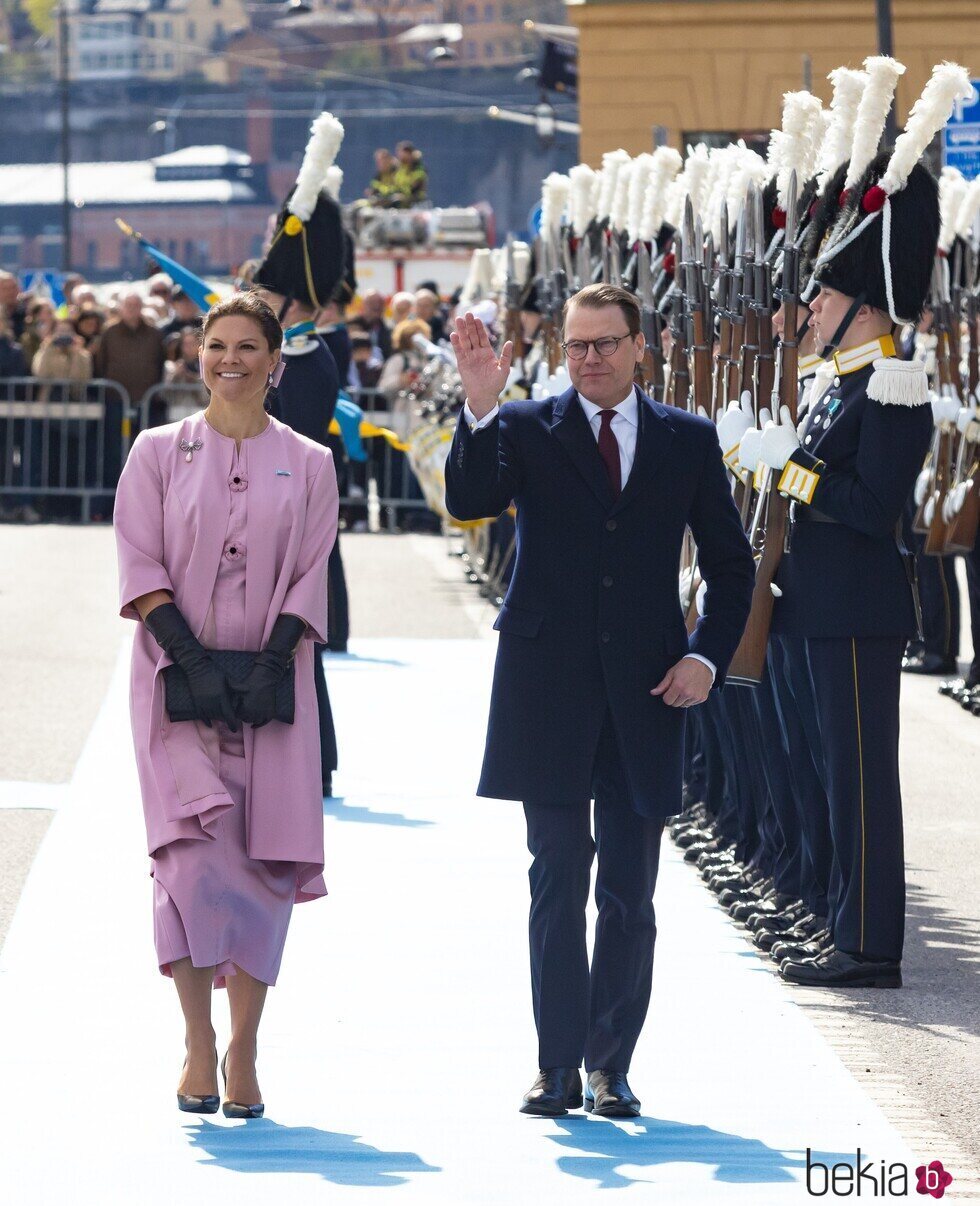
(609, 1095)
(801, 952)
(929, 663)
(841, 970)
(555, 1092)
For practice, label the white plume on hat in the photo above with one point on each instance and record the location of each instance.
(326, 135)
(849, 87)
(639, 180)
(612, 161)
(521, 261)
(872, 113)
(802, 128)
(969, 209)
(750, 169)
(666, 163)
(333, 181)
(688, 184)
(948, 83)
(479, 279)
(952, 193)
(581, 203)
(555, 192)
(619, 208)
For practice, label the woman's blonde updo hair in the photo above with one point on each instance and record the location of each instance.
(406, 331)
(247, 305)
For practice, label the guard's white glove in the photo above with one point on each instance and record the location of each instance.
(684, 586)
(945, 409)
(955, 500)
(930, 511)
(779, 441)
(968, 422)
(748, 449)
(922, 486)
(735, 422)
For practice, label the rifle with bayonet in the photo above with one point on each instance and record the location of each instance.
(964, 493)
(947, 362)
(679, 385)
(697, 312)
(513, 297)
(749, 663)
(719, 387)
(650, 370)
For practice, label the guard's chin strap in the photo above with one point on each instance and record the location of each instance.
(804, 325)
(841, 331)
(286, 303)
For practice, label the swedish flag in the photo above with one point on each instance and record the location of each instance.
(199, 291)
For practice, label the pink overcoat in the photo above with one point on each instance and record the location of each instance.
(170, 521)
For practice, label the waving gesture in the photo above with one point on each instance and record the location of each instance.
(482, 374)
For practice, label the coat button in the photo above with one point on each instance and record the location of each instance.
(606, 638)
(607, 581)
(610, 525)
(807, 439)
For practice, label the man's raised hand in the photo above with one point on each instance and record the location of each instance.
(483, 375)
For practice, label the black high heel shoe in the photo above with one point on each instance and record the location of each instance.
(190, 1103)
(235, 1109)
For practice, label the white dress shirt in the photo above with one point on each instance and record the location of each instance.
(625, 426)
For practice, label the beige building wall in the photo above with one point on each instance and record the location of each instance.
(723, 65)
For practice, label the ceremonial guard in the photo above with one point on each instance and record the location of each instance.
(847, 586)
(305, 264)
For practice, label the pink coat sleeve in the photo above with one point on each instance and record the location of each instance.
(138, 522)
(307, 593)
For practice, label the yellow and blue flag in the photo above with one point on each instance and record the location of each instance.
(198, 290)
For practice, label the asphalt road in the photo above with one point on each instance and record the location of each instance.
(917, 1050)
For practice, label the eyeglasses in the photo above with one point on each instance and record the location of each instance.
(608, 345)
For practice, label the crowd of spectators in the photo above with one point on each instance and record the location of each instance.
(145, 339)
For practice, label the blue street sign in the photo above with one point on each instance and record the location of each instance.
(961, 136)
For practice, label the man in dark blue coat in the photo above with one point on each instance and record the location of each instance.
(594, 665)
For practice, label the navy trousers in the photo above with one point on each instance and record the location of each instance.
(798, 717)
(856, 685)
(581, 1013)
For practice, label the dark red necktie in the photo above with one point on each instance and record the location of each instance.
(609, 451)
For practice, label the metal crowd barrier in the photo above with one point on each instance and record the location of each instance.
(63, 442)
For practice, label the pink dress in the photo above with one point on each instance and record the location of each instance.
(237, 909)
(234, 820)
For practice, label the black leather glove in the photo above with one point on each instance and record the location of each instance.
(256, 695)
(208, 685)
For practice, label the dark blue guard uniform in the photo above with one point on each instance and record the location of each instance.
(847, 609)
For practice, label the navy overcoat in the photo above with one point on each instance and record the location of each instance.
(592, 620)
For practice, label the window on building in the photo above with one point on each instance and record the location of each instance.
(489, 50)
(92, 256)
(190, 260)
(151, 61)
(471, 50)
(168, 29)
(11, 247)
(86, 62)
(488, 12)
(215, 3)
(191, 31)
(50, 246)
(103, 61)
(168, 62)
(151, 29)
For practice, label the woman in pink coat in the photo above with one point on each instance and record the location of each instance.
(224, 523)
